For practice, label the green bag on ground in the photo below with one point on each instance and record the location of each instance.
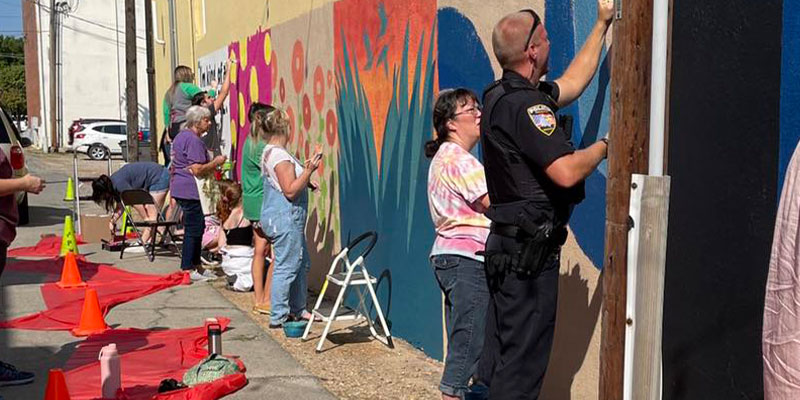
(209, 369)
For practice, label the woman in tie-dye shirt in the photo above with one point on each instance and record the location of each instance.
(457, 197)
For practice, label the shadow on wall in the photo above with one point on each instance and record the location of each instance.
(321, 256)
(575, 325)
(144, 112)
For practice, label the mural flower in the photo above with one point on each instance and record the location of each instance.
(319, 89)
(234, 71)
(242, 111)
(290, 115)
(253, 84)
(306, 112)
(298, 66)
(267, 49)
(330, 127)
(282, 90)
(243, 54)
(274, 66)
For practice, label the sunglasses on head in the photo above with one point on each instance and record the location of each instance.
(536, 22)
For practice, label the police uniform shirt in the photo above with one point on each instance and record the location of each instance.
(523, 128)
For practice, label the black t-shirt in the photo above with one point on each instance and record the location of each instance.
(523, 131)
(212, 138)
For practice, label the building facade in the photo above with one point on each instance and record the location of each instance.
(92, 59)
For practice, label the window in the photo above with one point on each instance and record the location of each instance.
(113, 129)
(199, 18)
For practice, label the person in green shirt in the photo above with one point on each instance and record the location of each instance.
(177, 100)
(252, 196)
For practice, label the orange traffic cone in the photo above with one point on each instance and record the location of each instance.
(70, 276)
(56, 386)
(92, 321)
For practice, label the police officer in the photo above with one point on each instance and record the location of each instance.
(534, 177)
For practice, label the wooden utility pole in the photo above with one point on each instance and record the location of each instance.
(151, 79)
(53, 75)
(630, 100)
(131, 97)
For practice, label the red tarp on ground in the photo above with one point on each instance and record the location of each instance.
(50, 268)
(146, 358)
(48, 246)
(114, 286)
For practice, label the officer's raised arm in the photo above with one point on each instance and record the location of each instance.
(570, 169)
(543, 142)
(584, 65)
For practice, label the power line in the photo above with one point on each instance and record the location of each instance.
(90, 22)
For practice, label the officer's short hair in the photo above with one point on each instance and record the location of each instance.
(444, 110)
(508, 38)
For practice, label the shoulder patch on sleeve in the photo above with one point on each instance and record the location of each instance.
(543, 118)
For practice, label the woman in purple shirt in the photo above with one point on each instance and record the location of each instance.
(190, 159)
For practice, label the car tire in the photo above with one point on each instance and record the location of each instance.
(98, 152)
(22, 207)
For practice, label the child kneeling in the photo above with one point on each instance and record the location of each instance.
(235, 239)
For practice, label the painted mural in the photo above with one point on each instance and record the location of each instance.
(304, 86)
(386, 78)
(210, 75)
(251, 82)
(360, 77)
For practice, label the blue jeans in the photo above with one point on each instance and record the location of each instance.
(463, 282)
(193, 227)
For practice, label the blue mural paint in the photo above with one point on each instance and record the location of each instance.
(790, 87)
(390, 198)
(568, 25)
(368, 50)
(460, 46)
(463, 61)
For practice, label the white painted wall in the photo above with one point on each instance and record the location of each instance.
(93, 63)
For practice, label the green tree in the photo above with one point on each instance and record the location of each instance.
(12, 51)
(12, 75)
(12, 89)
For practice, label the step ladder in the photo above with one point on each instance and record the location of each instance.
(354, 275)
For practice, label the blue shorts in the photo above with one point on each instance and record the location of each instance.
(162, 184)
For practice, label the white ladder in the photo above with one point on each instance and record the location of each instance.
(363, 283)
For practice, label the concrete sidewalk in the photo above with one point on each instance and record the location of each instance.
(271, 371)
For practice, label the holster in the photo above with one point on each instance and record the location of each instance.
(538, 237)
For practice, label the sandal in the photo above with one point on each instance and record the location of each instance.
(262, 309)
(305, 316)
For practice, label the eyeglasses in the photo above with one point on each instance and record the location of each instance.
(474, 110)
(536, 22)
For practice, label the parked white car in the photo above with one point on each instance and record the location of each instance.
(99, 139)
(12, 144)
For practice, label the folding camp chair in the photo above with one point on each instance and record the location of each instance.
(363, 282)
(139, 197)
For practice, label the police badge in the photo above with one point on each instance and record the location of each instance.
(543, 118)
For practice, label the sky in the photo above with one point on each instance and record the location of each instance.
(11, 17)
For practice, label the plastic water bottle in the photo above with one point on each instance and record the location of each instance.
(110, 377)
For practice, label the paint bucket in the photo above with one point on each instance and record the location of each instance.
(294, 329)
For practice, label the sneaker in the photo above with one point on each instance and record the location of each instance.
(201, 277)
(10, 375)
(208, 258)
(135, 249)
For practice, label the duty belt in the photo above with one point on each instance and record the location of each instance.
(508, 230)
